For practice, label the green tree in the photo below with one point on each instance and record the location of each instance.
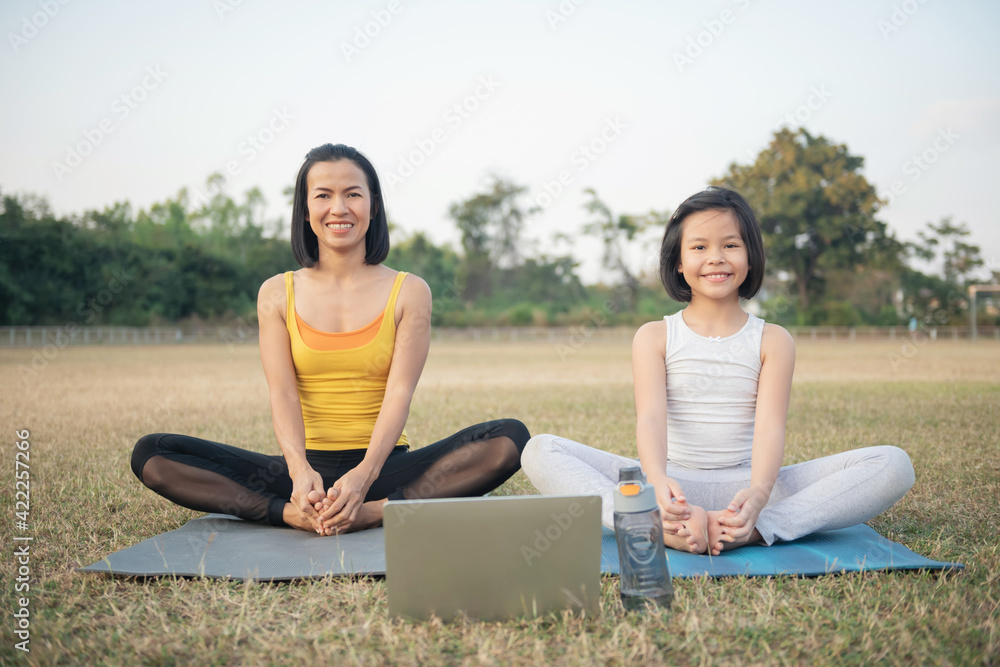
(615, 233)
(945, 243)
(941, 298)
(816, 210)
(438, 265)
(490, 223)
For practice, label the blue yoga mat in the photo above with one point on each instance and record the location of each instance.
(855, 549)
(219, 546)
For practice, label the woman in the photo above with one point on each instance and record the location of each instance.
(343, 341)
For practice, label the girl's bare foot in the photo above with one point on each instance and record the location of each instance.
(720, 541)
(693, 534)
(716, 538)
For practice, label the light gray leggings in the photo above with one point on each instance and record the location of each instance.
(824, 494)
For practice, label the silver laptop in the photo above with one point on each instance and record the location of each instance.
(493, 558)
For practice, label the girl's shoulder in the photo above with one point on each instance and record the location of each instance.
(776, 341)
(651, 336)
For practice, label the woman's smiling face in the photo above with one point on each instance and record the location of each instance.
(339, 204)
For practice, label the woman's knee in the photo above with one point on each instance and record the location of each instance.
(515, 431)
(145, 448)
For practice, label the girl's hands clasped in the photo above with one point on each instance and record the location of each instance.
(746, 504)
(674, 507)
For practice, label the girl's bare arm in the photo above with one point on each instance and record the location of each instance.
(774, 387)
(649, 379)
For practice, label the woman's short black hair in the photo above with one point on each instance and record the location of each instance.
(305, 245)
(711, 199)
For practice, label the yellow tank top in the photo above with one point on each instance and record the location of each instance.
(341, 391)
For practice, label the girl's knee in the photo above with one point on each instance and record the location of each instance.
(902, 467)
(536, 449)
(896, 474)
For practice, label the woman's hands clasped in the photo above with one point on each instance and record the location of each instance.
(341, 504)
(307, 490)
(330, 511)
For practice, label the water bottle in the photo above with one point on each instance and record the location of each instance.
(639, 532)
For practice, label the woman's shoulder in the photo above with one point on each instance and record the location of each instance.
(275, 283)
(414, 296)
(413, 288)
(413, 285)
(271, 296)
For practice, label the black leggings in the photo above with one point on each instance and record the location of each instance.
(211, 477)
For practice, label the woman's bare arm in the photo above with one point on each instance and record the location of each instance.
(286, 410)
(413, 336)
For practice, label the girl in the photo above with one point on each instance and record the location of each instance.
(343, 341)
(712, 384)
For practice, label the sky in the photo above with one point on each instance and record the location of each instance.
(643, 101)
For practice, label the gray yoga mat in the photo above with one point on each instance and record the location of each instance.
(221, 546)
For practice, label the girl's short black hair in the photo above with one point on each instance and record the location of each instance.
(711, 199)
(305, 245)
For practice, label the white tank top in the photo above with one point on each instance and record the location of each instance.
(711, 394)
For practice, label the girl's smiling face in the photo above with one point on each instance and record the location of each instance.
(714, 259)
(339, 204)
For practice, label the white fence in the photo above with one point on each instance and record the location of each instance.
(77, 335)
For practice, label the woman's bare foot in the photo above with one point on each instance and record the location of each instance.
(296, 519)
(693, 535)
(720, 541)
(369, 516)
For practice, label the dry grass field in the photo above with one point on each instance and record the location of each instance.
(85, 407)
